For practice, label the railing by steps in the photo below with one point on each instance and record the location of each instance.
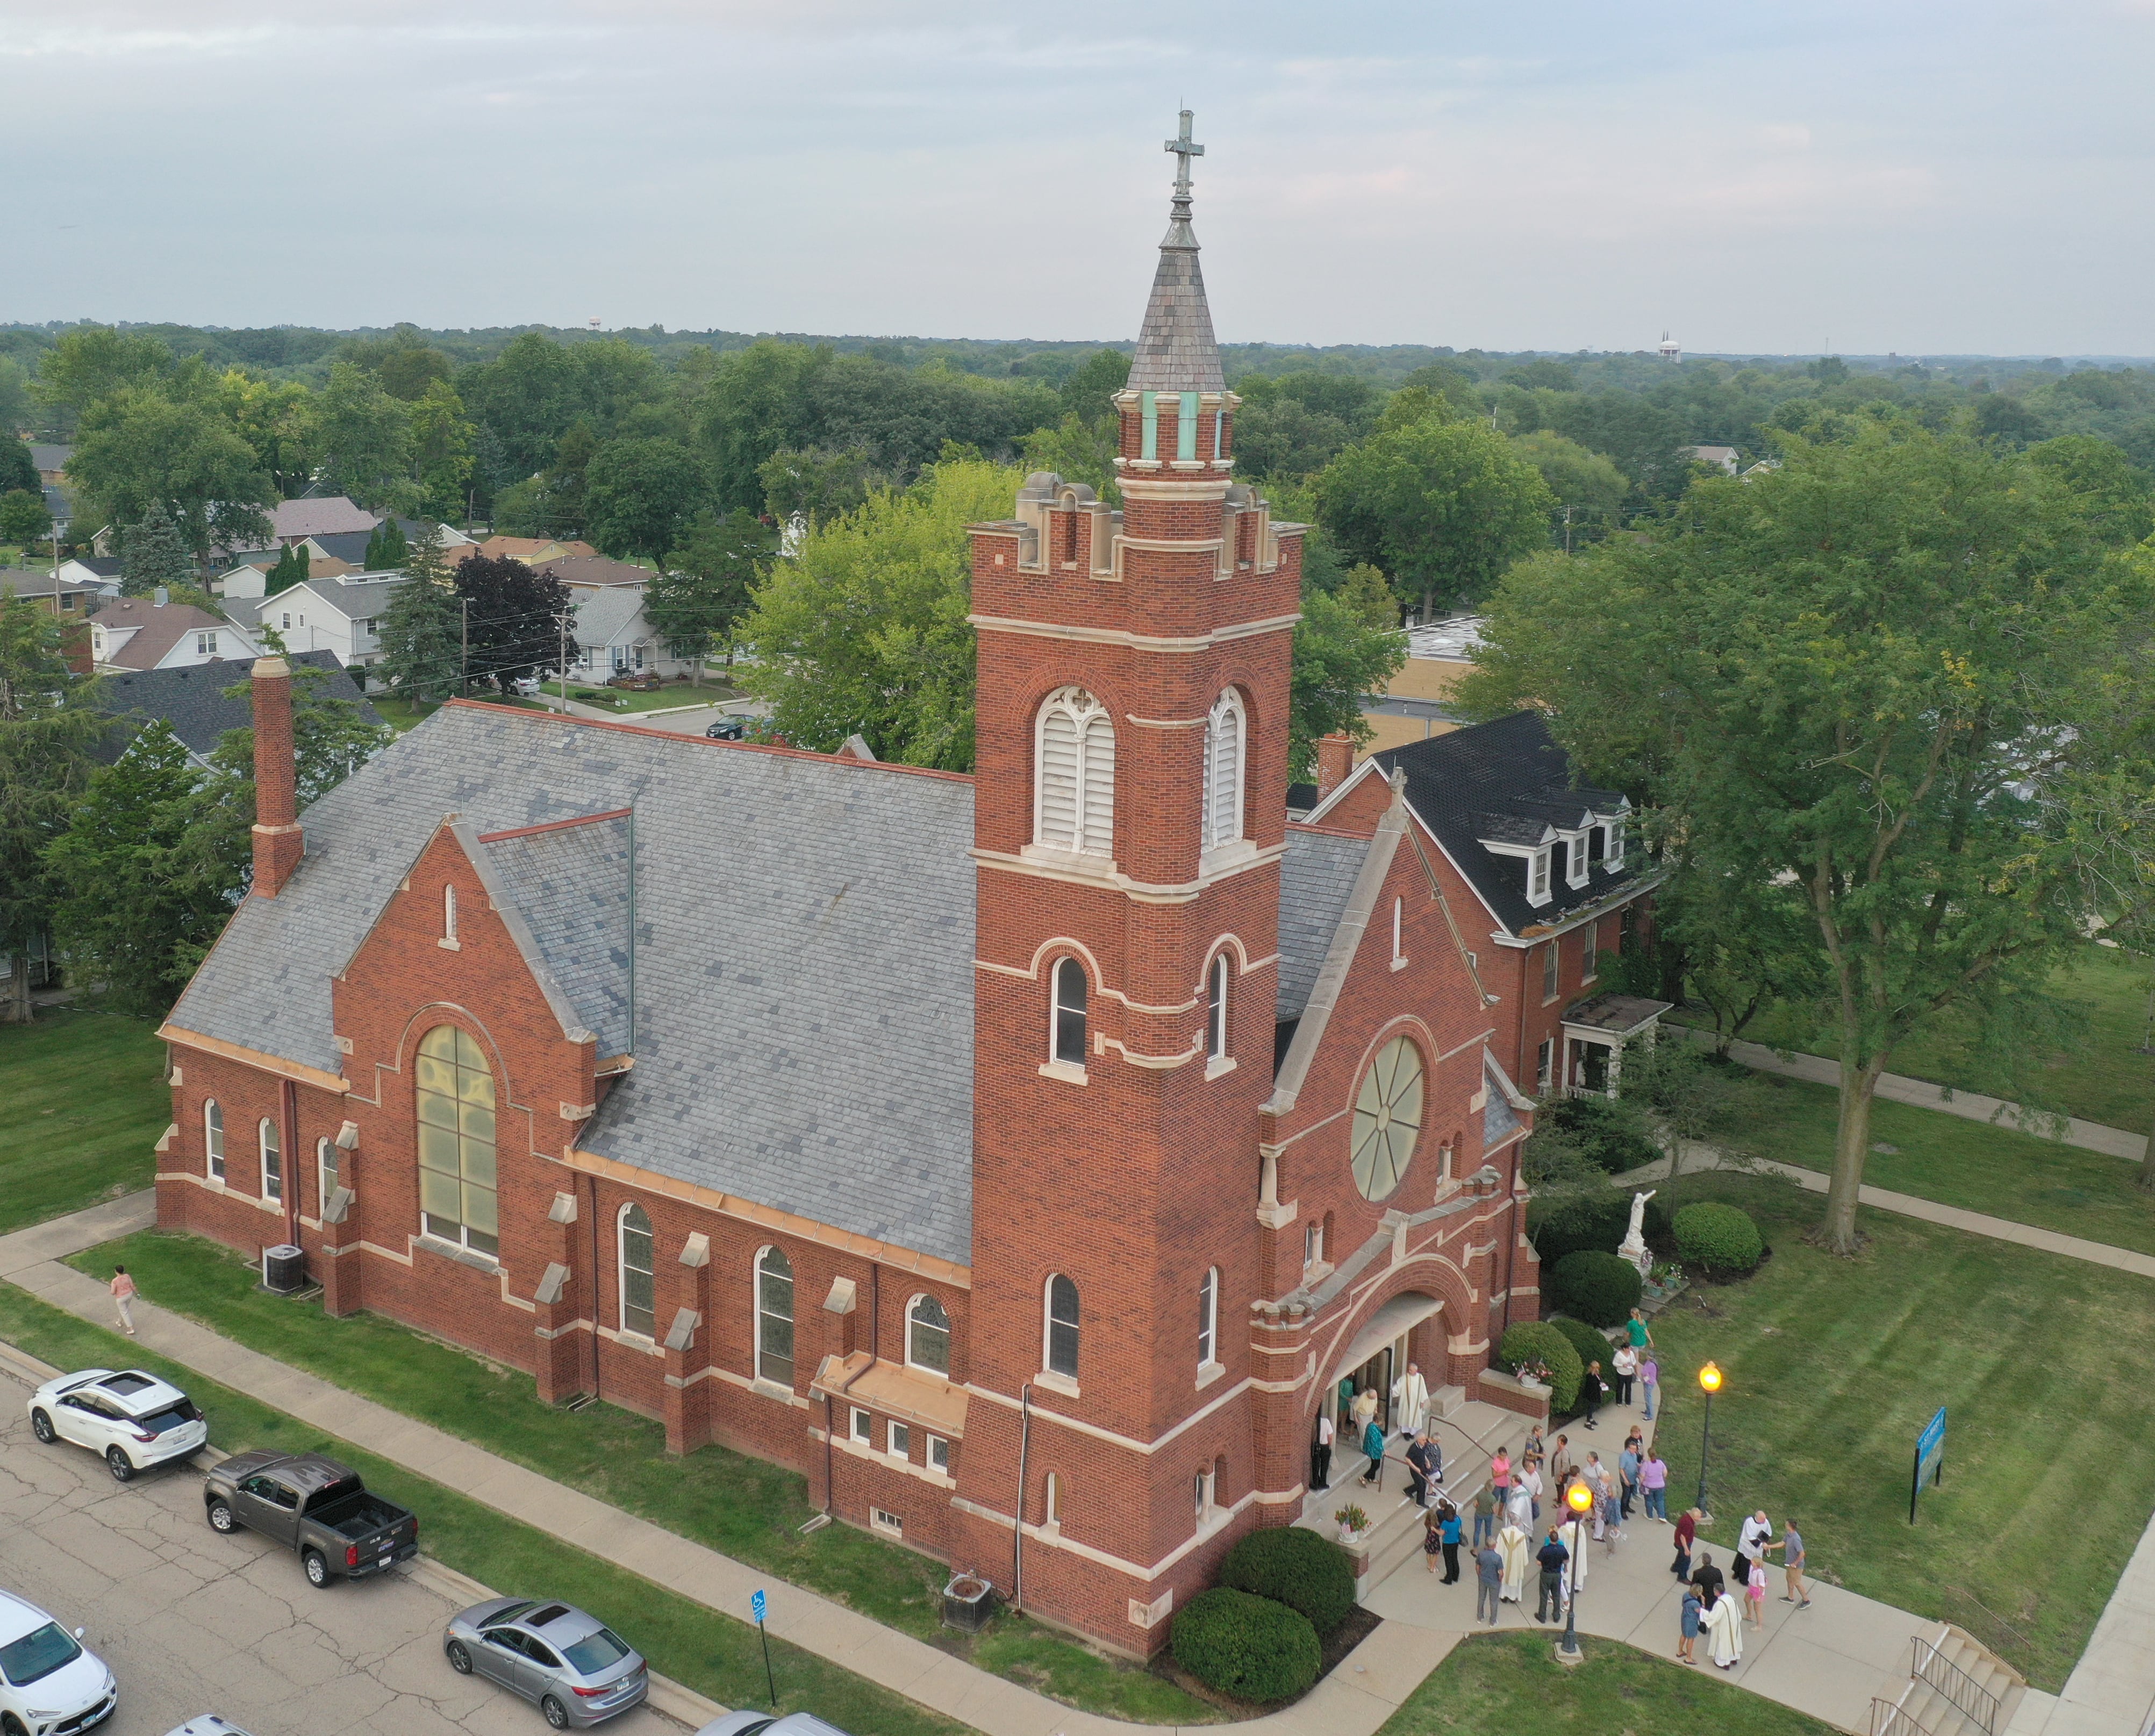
(1889, 1719)
(1969, 1698)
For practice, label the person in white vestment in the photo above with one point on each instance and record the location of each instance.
(1573, 1536)
(1410, 1402)
(1724, 1627)
(1512, 1550)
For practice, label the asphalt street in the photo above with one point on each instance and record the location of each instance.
(192, 1622)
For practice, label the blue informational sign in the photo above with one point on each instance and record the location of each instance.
(1930, 1458)
(757, 1604)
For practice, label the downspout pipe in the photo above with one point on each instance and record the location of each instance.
(1017, 1535)
(288, 1116)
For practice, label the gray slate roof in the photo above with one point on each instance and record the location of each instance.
(1317, 876)
(192, 698)
(804, 951)
(1176, 351)
(572, 884)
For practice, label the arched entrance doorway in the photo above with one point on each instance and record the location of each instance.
(1403, 1330)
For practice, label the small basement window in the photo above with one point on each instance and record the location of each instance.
(883, 1521)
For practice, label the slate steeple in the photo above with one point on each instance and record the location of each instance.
(1176, 351)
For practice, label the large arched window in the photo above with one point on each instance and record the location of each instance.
(1061, 1327)
(639, 1299)
(928, 1335)
(456, 1140)
(1074, 775)
(774, 1316)
(214, 1137)
(273, 1159)
(1224, 735)
(1215, 1008)
(1069, 1019)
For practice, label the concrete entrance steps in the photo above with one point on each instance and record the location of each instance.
(1469, 1432)
(1950, 1685)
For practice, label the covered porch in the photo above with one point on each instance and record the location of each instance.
(1596, 1032)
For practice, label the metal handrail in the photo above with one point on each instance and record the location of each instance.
(1889, 1719)
(1975, 1703)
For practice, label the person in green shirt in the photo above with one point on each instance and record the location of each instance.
(1485, 1515)
(1641, 1338)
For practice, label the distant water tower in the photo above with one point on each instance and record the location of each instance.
(1671, 350)
(594, 326)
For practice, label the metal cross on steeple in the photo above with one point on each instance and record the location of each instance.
(1184, 150)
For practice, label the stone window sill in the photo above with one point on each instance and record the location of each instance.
(463, 1256)
(1218, 1066)
(1208, 1372)
(1069, 1072)
(1056, 1383)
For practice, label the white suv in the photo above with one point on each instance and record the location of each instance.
(131, 1420)
(49, 1685)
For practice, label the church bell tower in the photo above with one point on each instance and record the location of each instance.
(1130, 818)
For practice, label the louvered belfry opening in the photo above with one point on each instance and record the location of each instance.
(1076, 799)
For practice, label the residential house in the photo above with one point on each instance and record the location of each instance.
(338, 613)
(531, 550)
(1722, 457)
(611, 635)
(1416, 703)
(292, 522)
(101, 571)
(62, 596)
(147, 632)
(592, 572)
(51, 461)
(193, 700)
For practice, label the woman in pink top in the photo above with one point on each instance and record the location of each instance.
(1500, 1472)
(123, 1297)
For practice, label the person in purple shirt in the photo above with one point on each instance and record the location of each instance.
(1649, 1377)
(1654, 1485)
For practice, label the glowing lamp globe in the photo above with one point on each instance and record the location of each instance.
(1578, 1498)
(1709, 1378)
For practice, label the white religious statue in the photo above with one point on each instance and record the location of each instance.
(1410, 1402)
(1634, 1247)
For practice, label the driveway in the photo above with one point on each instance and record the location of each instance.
(193, 1622)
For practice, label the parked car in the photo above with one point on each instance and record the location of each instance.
(207, 1724)
(766, 1724)
(729, 729)
(49, 1685)
(579, 1671)
(639, 681)
(131, 1420)
(526, 684)
(341, 1529)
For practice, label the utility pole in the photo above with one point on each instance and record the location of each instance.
(1567, 529)
(561, 666)
(463, 657)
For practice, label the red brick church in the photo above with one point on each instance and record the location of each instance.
(1026, 1157)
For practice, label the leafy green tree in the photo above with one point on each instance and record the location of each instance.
(421, 630)
(24, 520)
(365, 438)
(151, 555)
(1590, 484)
(512, 618)
(1088, 393)
(639, 495)
(17, 472)
(1738, 945)
(91, 363)
(442, 451)
(1902, 674)
(1077, 451)
(2112, 491)
(1293, 426)
(47, 729)
(704, 584)
(1444, 507)
(387, 548)
(865, 629)
(1370, 594)
(16, 410)
(411, 372)
(139, 448)
(277, 419)
(818, 485)
(1341, 653)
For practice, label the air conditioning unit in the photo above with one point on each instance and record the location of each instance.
(283, 1268)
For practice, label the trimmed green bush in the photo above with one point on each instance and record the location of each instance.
(1299, 1568)
(1610, 1130)
(1600, 1288)
(1539, 1341)
(1248, 1646)
(1589, 1345)
(1722, 1239)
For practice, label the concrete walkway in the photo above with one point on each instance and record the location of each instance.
(1968, 1105)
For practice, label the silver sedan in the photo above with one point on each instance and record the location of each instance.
(579, 1671)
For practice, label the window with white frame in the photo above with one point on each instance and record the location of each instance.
(1544, 1059)
(1074, 775)
(639, 1301)
(774, 1316)
(325, 1171)
(1215, 1008)
(205, 644)
(901, 1440)
(1225, 735)
(928, 1335)
(1203, 1492)
(1574, 860)
(455, 1101)
(1068, 1035)
(938, 1454)
(1538, 883)
(863, 1427)
(1051, 1504)
(273, 1159)
(214, 1137)
(1551, 963)
(1589, 951)
(448, 912)
(1612, 851)
(1208, 1318)
(1061, 1327)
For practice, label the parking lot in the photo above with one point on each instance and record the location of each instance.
(193, 1622)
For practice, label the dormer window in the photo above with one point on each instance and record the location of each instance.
(1538, 878)
(1575, 859)
(1612, 847)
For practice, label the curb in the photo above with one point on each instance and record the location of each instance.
(683, 1704)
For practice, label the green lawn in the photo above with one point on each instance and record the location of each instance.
(2103, 1077)
(741, 1506)
(400, 715)
(673, 694)
(712, 1653)
(1833, 1366)
(1507, 1684)
(1969, 1164)
(85, 1100)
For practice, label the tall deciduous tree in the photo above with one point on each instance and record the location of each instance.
(639, 495)
(139, 446)
(23, 519)
(46, 733)
(441, 449)
(704, 590)
(512, 618)
(1906, 674)
(1342, 651)
(1443, 506)
(365, 437)
(92, 363)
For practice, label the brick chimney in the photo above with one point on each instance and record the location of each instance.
(279, 843)
(1335, 758)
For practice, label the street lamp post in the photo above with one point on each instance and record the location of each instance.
(1579, 1499)
(1709, 1382)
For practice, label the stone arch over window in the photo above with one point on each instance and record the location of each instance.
(1227, 732)
(1066, 1036)
(774, 1316)
(637, 1271)
(1060, 1347)
(214, 1137)
(1216, 975)
(273, 1159)
(455, 1105)
(928, 1335)
(1074, 775)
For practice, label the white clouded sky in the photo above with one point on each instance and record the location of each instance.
(1760, 175)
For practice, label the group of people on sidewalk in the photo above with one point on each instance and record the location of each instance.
(1720, 1604)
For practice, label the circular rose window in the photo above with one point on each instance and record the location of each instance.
(1387, 1118)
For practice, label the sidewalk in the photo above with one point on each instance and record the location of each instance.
(1968, 1105)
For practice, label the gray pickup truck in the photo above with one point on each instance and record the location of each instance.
(313, 1505)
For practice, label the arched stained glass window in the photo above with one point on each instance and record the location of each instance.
(457, 1174)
